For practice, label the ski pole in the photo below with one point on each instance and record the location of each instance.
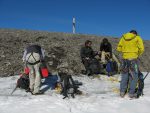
(146, 75)
(14, 89)
(144, 68)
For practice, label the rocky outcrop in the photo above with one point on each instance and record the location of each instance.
(62, 50)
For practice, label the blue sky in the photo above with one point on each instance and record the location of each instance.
(98, 17)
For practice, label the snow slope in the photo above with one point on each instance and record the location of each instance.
(100, 96)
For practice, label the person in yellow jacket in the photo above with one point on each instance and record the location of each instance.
(131, 46)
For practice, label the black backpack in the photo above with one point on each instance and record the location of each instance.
(69, 86)
(23, 82)
(95, 66)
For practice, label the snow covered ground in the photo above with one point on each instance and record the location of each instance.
(100, 96)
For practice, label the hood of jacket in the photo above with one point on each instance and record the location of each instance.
(129, 36)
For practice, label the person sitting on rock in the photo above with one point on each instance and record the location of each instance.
(105, 51)
(107, 55)
(87, 55)
(33, 56)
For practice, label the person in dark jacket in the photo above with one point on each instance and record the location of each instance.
(87, 54)
(105, 50)
(33, 56)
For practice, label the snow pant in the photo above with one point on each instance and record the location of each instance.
(34, 74)
(129, 69)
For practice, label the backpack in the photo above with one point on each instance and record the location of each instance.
(111, 68)
(44, 70)
(95, 66)
(140, 85)
(23, 81)
(69, 86)
(50, 82)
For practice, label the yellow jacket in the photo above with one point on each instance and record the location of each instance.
(131, 46)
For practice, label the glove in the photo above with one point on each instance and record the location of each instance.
(87, 58)
(111, 59)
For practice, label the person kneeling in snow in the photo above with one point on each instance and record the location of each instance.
(33, 56)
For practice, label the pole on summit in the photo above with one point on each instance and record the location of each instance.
(73, 25)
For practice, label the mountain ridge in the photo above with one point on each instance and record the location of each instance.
(62, 50)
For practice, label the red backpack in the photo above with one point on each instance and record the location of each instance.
(44, 71)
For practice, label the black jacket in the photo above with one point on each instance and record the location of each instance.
(87, 52)
(106, 48)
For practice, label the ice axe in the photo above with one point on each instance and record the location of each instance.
(14, 89)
